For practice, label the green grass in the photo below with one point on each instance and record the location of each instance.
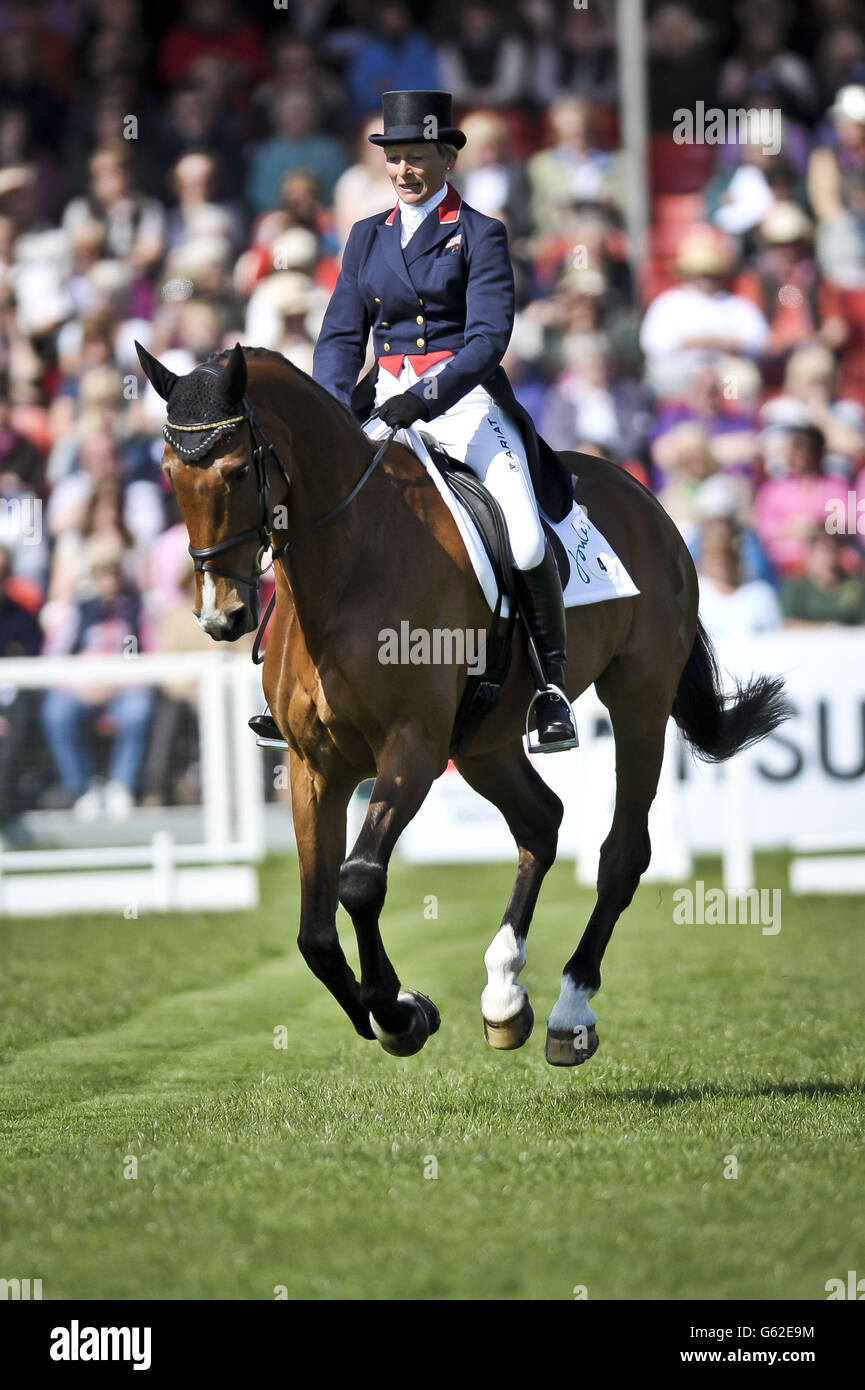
(304, 1167)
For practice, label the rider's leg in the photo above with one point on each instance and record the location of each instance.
(484, 437)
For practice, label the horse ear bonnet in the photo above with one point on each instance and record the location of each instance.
(205, 405)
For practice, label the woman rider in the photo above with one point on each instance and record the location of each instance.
(433, 280)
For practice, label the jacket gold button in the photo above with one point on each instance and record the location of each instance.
(387, 347)
(420, 318)
(385, 325)
(377, 300)
(419, 300)
(420, 342)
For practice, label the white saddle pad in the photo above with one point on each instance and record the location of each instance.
(597, 574)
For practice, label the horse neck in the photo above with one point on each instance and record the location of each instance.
(325, 453)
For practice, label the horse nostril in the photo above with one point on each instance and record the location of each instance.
(238, 623)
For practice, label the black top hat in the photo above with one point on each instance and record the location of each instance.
(417, 116)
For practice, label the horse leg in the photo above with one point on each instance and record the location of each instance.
(639, 717)
(533, 813)
(402, 1020)
(319, 807)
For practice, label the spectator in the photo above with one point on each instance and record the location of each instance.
(572, 52)
(682, 65)
(208, 29)
(586, 404)
(485, 64)
(728, 602)
(295, 66)
(277, 316)
(840, 58)
(193, 122)
(761, 52)
(297, 144)
(824, 593)
(726, 499)
(783, 282)
(569, 170)
(700, 318)
(20, 635)
(194, 179)
(690, 461)
(788, 508)
(489, 178)
(836, 188)
(99, 458)
(394, 57)
(810, 396)
(165, 777)
(21, 464)
(743, 193)
(106, 618)
(719, 397)
(102, 519)
(364, 189)
(134, 224)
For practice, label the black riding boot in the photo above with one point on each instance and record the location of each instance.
(541, 595)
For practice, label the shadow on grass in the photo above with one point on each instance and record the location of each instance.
(665, 1095)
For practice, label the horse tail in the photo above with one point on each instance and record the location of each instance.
(718, 725)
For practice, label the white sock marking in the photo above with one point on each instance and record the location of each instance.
(572, 1009)
(505, 957)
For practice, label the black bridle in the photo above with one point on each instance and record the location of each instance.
(202, 556)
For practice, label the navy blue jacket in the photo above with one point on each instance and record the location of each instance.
(451, 288)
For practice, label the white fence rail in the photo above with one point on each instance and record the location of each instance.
(215, 871)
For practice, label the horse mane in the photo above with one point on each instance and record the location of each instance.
(270, 354)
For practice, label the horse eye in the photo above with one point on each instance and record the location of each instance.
(240, 473)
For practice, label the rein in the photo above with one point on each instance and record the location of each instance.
(203, 556)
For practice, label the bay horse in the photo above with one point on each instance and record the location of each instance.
(285, 468)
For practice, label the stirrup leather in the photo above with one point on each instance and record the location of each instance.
(534, 744)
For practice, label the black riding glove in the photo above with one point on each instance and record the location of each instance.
(401, 411)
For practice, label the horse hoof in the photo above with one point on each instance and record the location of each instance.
(569, 1047)
(426, 1020)
(433, 1017)
(513, 1032)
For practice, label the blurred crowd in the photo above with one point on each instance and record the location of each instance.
(187, 175)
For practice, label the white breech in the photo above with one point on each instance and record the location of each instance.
(481, 435)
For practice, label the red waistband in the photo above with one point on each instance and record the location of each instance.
(420, 361)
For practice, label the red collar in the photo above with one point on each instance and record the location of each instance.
(448, 209)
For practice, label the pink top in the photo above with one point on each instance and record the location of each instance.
(802, 498)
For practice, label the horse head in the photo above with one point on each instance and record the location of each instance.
(214, 459)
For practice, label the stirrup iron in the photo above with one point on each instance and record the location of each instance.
(534, 744)
(266, 740)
